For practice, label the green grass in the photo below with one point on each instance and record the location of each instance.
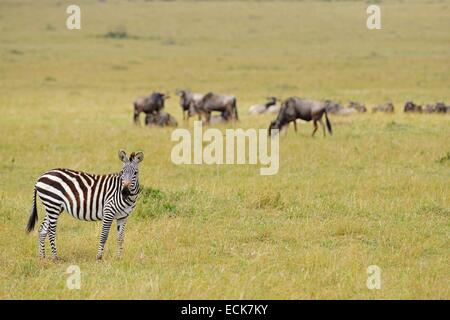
(376, 192)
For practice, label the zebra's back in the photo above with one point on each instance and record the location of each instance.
(81, 194)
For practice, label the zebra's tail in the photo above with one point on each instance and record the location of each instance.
(33, 216)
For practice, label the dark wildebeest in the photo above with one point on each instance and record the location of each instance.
(269, 106)
(214, 102)
(360, 107)
(162, 119)
(296, 108)
(412, 107)
(440, 107)
(387, 108)
(189, 102)
(153, 103)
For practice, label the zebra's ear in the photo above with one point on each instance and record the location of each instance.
(138, 157)
(123, 156)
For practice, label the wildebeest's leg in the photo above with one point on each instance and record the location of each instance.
(285, 128)
(136, 113)
(315, 127)
(120, 235)
(295, 126)
(323, 126)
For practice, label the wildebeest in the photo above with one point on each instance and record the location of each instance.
(162, 119)
(214, 102)
(360, 107)
(412, 107)
(295, 108)
(387, 108)
(269, 106)
(189, 102)
(440, 107)
(153, 103)
(429, 108)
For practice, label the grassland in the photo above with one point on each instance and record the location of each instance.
(376, 192)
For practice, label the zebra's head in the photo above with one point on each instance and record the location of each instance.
(130, 172)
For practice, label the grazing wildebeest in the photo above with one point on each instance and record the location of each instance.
(360, 107)
(412, 107)
(149, 104)
(162, 119)
(296, 108)
(214, 102)
(269, 106)
(387, 108)
(189, 102)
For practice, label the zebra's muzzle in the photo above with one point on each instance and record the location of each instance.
(125, 192)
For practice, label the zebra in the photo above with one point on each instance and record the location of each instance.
(87, 197)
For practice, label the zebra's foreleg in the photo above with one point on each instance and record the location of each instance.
(108, 217)
(120, 235)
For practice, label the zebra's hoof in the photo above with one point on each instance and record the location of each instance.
(99, 258)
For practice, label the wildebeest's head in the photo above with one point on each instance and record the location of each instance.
(274, 125)
(130, 172)
(184, 99)
(181, 93)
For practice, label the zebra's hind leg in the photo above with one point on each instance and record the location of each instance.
(120, 235)
(43, 231)
(52, 217)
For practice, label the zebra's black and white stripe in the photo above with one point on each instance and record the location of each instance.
(87, 197)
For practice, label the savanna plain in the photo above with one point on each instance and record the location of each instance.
(375, 193)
